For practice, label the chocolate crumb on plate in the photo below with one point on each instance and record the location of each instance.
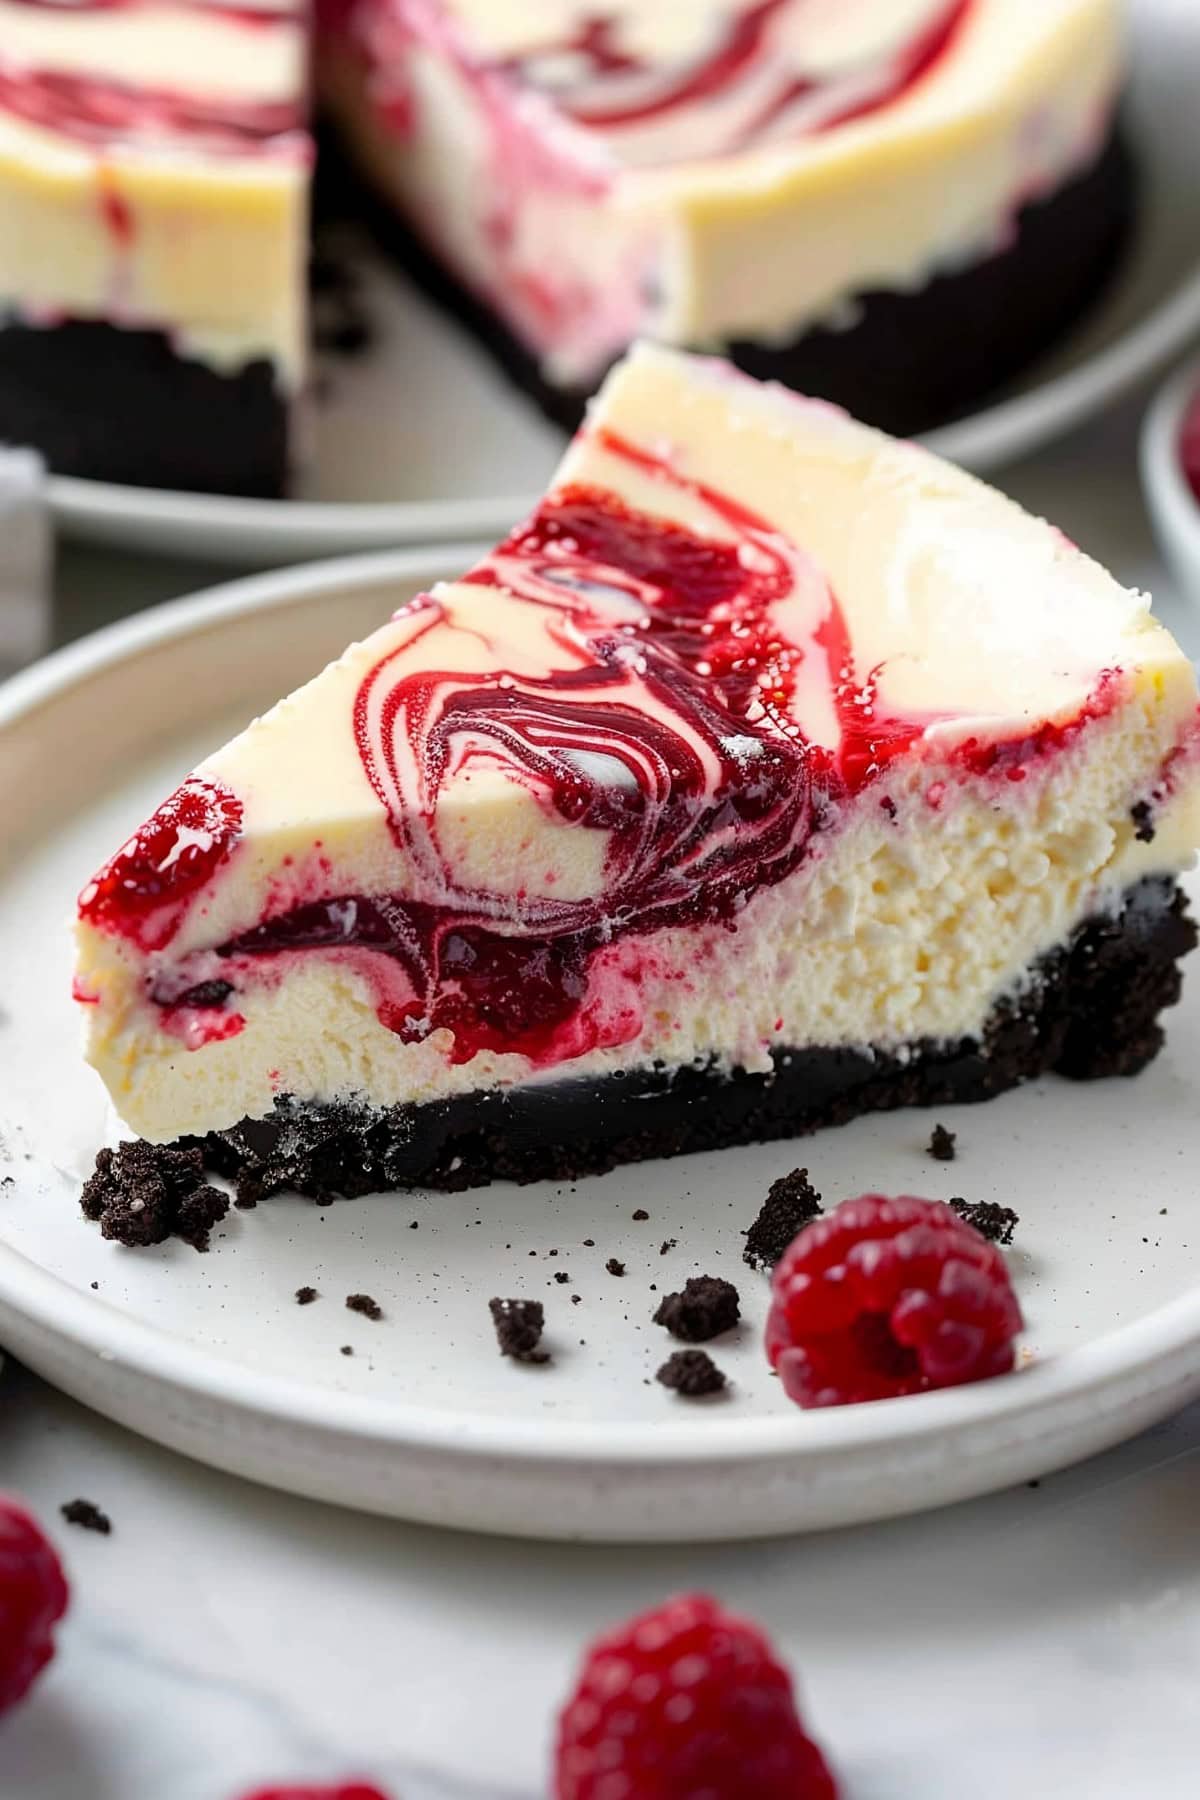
(364, 1304)
(1142, 816)
(142, 1194)
(692, 1374)
(305, 1296)
(667, 1245)
(791, 1203)
(519, 1326)
(87, 1514)
(992, 1221)
(347, 1349)
(941, 1144)
(640, 1216)
(706, 1307)
(614, 1267)
(561, 1276)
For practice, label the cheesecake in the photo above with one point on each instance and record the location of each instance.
(891, 203)
(771, 772)
(154, 174)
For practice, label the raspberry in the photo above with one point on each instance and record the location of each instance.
(347, 1790)
(1189, 446)
(686, 1703)
(33, 1597)
(886, 1297)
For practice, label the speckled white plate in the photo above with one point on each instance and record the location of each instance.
(211, 1355)
(423, 440)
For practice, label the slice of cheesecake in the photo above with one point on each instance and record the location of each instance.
(771, 772)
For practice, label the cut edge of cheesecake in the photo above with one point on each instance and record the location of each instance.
(981, 785)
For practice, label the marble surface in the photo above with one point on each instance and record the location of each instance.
(1044, 1641)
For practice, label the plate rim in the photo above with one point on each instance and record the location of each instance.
(256, 529)
(1148, 1352)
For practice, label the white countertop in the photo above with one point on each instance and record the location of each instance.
(1043, 1642)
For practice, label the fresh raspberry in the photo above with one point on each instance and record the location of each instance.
(686, 1703)
(33, 1598)
(351, 1790)
(885, 1297)
(1189, 445)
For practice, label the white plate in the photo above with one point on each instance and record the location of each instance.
(210, 1354)
(423, 440)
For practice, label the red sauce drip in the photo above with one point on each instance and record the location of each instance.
(871, 738)
(142, 893)
(118, 215)
(100, 110)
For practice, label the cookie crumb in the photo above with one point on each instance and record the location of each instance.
(347, 1349)
(640, 1216)
(414, 1224)
(995, 1223)
(364, 1304)
(87, 1514)
(589, 1243)
(941, 1144)
(614, 1267)
(142, 1194)
(667, 1245)
(519, 1326)
(791, 1203)
(562, 1277)
(692, 1374)
(706, 1307)
(305, 1296)
(1142, 816)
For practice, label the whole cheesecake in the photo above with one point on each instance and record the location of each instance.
(891, 203)
(771, 772)
(894, 204)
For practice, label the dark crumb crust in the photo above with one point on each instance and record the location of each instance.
(913, 359)
(692, 1374)
(519, 1325)
(994, 1222)
(366, 1305)
(144, 1193)
(792, 1202)
(118, 404)
(88, 1515)
(704, 1308)
(1090, 1010)
(941, 1144)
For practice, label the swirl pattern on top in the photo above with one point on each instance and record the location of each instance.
(659, 712)
(764, 72)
